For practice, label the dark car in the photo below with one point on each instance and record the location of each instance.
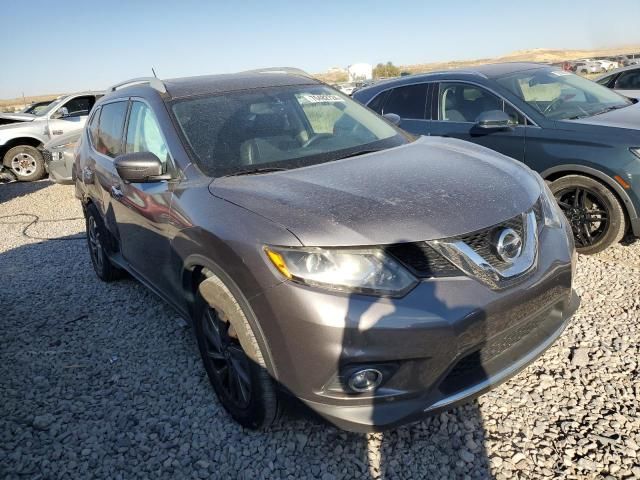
(578, 135)
(321, 252)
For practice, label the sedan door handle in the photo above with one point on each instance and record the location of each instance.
(116, 192)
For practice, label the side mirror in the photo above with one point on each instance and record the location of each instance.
(493, 120)
(393, 118)
(141, 167)
(61, 113)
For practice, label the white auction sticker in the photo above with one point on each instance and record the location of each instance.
(322, 98)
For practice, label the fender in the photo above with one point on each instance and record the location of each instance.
(9, 143)
(610, 182)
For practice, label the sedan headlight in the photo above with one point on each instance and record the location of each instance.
(367, 271)
(550, 209)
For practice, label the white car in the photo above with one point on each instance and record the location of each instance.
(609, 64)
(590, 66)
(625, 81)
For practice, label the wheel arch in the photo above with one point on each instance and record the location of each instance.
(16, 142)
(557, 172)
(195, 271)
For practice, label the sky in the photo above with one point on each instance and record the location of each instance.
(72, 45)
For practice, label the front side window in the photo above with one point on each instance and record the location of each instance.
(278, 127)
(110, 129)
(460, 102)
(143, 132)
(408, 102)
(561, 95)
(628, 80)
(79, 106)
(378, 102)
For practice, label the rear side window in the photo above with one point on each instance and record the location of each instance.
(93, 127)
(408, 102)
(111, 125)
(79, 106)
(628, 80)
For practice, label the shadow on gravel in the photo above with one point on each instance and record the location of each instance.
(105, 381)
(9, 191)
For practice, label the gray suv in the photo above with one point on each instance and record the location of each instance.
(23, 135)
(319, 251)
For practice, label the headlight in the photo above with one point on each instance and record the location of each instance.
(550, 209)
(367, 271)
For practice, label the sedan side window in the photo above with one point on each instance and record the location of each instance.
(144, 134)
(628, 80)
(110, 131)
(408, 102)
(459, 102)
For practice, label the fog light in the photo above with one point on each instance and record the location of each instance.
(365, 380)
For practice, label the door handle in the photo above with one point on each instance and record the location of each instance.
(116, 192)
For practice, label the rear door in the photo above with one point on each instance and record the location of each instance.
(106, 146)
(145, 221)
(71, 115)
(410, 103)
(457, 105)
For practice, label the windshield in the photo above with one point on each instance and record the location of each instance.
(562, 95)
(284, 127)
(52, 106)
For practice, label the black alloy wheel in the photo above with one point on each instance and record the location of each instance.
(595, 214)
(226, 358)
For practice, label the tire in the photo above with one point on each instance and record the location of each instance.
(594, 212)
(25, 162)
(96, 239)
(228, 344)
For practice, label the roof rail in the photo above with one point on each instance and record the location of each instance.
(153, 82)
(289, 70)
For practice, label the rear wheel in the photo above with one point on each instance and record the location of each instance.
(594, 212)
(232, 358)
(25, 162)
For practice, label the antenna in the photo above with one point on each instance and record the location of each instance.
(154, 72)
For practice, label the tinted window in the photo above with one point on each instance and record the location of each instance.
(143, 132)
(79, 106)
(111, 124)
(605, 80)
(93, 127)
(408, 102)
(284, 127)
(628, 80)
(378, 102)
(459, 102)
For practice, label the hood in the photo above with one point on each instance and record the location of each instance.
(8, 118)
(627, 117)
(432, 188)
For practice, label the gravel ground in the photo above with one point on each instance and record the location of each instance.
(105, 381)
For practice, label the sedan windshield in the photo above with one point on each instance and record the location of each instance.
(561, 95)
(279, 128)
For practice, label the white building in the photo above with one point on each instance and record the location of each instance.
(359, 72)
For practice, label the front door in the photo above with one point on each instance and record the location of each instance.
(145, 223)
(460, 104)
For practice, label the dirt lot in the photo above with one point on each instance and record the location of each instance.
(104, 380)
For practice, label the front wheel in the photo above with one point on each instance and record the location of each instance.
(232, 357)
(25, 162)
(594, 212)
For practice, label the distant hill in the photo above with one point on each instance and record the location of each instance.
(19, 103)
(532, 55)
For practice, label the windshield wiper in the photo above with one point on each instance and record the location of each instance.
(255, 171)
(360, 152)
(608, 109)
